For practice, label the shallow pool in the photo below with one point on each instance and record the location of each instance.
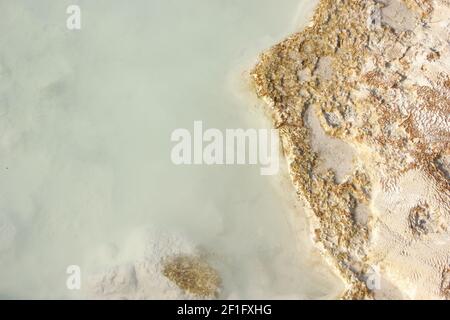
(85, 123)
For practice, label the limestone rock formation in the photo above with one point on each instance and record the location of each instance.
(375, 75)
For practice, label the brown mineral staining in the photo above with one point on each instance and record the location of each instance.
(447, 83)
(433, 56)
(374, 84)
(193, 275)
(419, 219)
(445, 285)
(423, 7)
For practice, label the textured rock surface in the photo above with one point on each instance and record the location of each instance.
(193, 275)
(376, 74)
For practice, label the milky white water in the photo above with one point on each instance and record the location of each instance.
(85, 124)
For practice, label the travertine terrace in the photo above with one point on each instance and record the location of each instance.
(376, 74)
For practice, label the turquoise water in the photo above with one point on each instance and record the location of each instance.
(85, 124)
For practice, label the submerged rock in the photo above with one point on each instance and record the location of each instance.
(157, 265)
(193, 275)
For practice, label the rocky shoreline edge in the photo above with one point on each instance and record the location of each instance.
(376, 76)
